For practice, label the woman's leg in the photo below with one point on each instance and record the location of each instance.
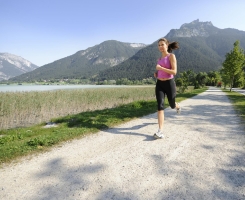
(171, 94)
(160, 106)
(160, 114)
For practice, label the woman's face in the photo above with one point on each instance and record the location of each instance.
(162, 46)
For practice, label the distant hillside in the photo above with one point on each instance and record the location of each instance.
(13, 65)
(85, 63)
(202, 49)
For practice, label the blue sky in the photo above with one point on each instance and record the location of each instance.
(43, 31)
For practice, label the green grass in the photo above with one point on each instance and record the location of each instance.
(19, 142)
(238, 101)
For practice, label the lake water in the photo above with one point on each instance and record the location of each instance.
(28, 88)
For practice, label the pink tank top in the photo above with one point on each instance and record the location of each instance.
(164, 62)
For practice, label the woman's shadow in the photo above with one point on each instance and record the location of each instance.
(132, 131)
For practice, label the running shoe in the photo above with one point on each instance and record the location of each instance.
(158, 135)
(178, 110)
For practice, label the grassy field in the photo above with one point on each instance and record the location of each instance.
(18, 142)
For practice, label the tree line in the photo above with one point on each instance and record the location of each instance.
(231, 74)
(233, 69)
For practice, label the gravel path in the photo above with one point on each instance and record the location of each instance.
(201, 157)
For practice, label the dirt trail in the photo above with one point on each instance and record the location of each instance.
(201, 157)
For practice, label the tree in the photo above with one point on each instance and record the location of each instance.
(213, 78)
(179, 84)
(225, 78)
(186, 78)
(200, 80)
(233, 63)
(239, 79)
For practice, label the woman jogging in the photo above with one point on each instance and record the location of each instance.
(166, 69)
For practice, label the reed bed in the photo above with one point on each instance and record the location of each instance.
(20, 109)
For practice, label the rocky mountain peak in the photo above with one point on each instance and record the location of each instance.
(12, 65)
(196, 24)
(16, 60)
(110, 52)
(137, 45)
(195, 28)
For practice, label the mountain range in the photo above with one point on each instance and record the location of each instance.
(85, 63)
(12, 65)
(202, 49)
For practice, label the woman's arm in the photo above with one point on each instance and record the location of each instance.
(173, 63)
(155, 74)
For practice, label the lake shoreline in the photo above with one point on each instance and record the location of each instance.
(28, 88)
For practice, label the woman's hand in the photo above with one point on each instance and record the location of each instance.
(173, 69)
(159, 67)
(155, 74)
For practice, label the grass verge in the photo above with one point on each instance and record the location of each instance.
(18, 142)
(238, 101)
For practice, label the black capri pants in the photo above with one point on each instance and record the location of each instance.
(163, 88)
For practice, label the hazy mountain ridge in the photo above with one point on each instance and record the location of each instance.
(13, 65)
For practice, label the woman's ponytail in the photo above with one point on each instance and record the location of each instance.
(172, 46)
